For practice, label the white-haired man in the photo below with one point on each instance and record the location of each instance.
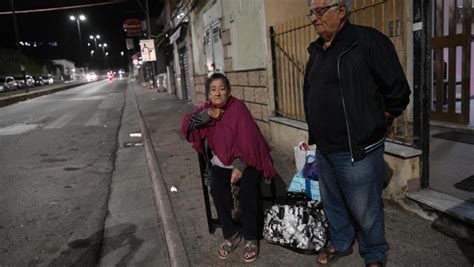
(354, 88)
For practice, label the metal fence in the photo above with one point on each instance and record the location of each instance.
(290, 40)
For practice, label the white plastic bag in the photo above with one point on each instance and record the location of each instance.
(301, 151)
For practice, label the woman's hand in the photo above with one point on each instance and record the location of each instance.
(215, 113)
(235, 177)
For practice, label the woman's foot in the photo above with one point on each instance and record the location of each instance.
(250, 251)
(329, 255)
(228, 246)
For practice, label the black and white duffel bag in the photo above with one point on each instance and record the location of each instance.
(298, 223)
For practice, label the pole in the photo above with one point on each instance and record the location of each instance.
(17, 38)
(422, 85)
(80, 41)
(149, 36)
(96, 51)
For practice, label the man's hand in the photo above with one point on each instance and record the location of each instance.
(215, 113)
(235, 177)
(388, 119)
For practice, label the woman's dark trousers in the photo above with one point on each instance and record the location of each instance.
(221, 193)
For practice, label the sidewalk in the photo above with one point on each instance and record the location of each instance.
(412, 240)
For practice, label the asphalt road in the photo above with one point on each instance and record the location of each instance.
(57, 155)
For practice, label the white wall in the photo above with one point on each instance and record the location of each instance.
(246, 21)
(197, 37)
(201, 18)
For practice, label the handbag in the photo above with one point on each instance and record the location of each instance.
(298, 223)
(306, 180)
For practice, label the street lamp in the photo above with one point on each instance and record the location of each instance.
(78, 19)
(103, 46)
(95, 38)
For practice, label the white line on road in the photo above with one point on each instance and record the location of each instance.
(60, 122)
(18, 128)
(98, 119)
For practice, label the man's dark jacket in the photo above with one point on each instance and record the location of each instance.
(372, 82)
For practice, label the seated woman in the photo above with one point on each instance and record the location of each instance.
(239, 154)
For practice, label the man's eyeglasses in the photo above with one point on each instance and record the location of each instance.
(320, 10)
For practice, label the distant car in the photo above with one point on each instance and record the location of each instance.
(91, 77)
(30, 81)
(20, 82)
(48, 79)
(8, 83)
(110, 75)
(39, 81)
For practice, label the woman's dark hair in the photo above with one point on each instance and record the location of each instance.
(217, 76)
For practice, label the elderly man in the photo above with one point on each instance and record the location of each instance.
(354, 88)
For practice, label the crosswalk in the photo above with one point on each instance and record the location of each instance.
(100, 117)
(60, 122)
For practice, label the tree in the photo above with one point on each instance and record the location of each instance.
(11, 63)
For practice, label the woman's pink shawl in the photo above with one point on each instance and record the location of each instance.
(235, 135)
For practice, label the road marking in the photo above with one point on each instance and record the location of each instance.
(18, 128)
(112, 101)
(98, 119)
(40, 119)
(60, 122)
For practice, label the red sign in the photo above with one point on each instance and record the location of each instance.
(130, 24)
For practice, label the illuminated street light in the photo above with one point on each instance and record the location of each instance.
(121, 53)
(78, 19)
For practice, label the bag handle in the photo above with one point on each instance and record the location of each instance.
(303, 146)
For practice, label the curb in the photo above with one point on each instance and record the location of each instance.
(174, 243)
(5, 101)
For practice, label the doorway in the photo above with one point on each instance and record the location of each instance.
(452, 88)
(451, 159)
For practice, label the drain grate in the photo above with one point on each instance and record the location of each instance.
(466, 184)
(132, 144)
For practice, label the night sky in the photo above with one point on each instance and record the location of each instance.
(52, 27)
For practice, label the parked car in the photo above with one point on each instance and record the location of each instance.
(7, 83)
(20, 82)
(39, 81)
(48, 79)
(30, 81)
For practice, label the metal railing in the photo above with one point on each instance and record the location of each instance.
(290, 40)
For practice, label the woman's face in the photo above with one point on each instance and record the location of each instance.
(218, 93)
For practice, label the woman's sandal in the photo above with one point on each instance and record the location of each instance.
(330, 256)
(228, 246)
(250, 251)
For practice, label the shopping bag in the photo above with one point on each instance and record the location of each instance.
(297, 223)
(299, 184)
(306, 180)
(301, 151)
